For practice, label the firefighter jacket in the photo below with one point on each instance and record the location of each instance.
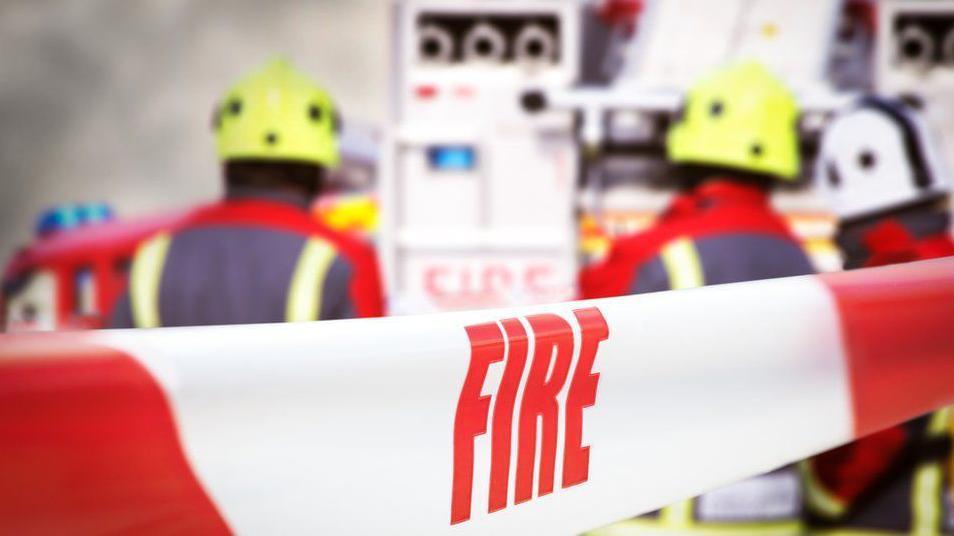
(894, 481)
(729, 234)
(721, 232)
(256, 257)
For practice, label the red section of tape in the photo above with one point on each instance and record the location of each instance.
(88, 445)
(898, 327)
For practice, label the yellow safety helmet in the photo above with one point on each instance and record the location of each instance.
(741, 117)
(277, 113)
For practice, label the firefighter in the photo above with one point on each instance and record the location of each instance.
(737, 137)
(885, 182)
(257, 256)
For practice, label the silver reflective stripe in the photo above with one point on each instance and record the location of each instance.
(303, 302)
(774, 496)
(144, 279)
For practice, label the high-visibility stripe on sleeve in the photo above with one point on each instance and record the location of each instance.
(950, 459)
(681, 260)
(677, 515)
(144, 279)
(303, 302)
(927, 493)
(926, 499)
(817, 497)
(937, 426)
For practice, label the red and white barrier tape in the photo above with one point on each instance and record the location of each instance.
(542, 420)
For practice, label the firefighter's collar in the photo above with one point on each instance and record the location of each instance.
(721, 190)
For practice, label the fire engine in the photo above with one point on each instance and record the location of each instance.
(915, 56)
(622, 124)
(71, 276)
(478, 197)
(486, 205)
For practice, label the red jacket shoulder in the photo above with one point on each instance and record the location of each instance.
(366, 288)
(365, 285)
(613, 276)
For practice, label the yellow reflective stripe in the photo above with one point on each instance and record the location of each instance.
(939, 422)
(144, 278)
(926, 499)
(681, 261)
(927, 494)
(816, 496)
(950, 461)
(856, 532)
(303, 302)
(677, 515)
(649, 527)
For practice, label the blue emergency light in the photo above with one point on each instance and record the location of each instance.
(95, 212)
(452, 157)
(57, 219)
(65, 217)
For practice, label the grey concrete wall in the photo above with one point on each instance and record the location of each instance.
(110, 100)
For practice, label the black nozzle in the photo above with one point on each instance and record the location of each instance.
(534, 101)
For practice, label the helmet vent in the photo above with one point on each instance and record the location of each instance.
(314, 112)
(279, 114)
(834, 178)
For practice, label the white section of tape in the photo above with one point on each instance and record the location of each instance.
(348, 426)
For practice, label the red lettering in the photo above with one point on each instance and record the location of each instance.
(582, 394)
(466, 287)
(431, 281)
(486, 347)
(503, 413)
(554, 348)
(496, 279)
(539, 416)
(535, 277)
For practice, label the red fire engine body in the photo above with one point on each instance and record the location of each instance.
(72, 278)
